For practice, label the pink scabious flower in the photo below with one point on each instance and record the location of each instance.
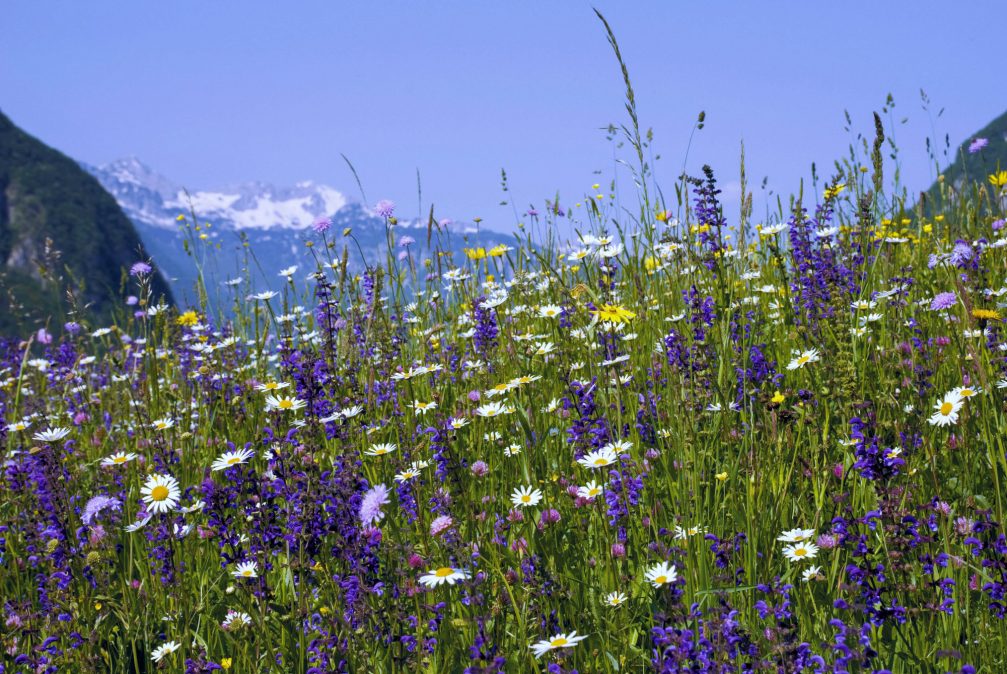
(322, 225)
(139, 268)
(440, 524)
(370, 507)
(385, 208)
(978, 144)
(480, 468)
(943, 301)
(96, 505)
(827, 541)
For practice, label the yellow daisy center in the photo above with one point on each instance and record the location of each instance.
(119, 459)
(233, 460)
(946, 408)
(600, 462)
(246, 573)
(159, 493)
(800, 552)
(444, 572)
(285, 404)
(525, 498)
(557, 643)
(661, 580)
(802, 360)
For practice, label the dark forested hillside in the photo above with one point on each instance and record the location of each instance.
(64, 241)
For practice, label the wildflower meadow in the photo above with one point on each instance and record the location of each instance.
(640, 438)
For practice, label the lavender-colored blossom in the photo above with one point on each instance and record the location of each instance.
(960, 254)
(385, 208)
(97, 504)
(977, 145)
(139, 268)
(322, 225)
(370, 507)
(943, 301)
(441, 524)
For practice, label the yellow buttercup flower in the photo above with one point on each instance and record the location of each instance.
(778, 398)
(189, 318)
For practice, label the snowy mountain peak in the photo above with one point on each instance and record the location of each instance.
(153, 198)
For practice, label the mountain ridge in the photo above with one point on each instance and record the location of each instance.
(62, 237)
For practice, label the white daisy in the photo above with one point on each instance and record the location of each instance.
(615, 599)
(246, 570)
(161, 493)
(444, 574)
(803, 358)
(228, 459)
(590, 490)
(800, 551)
(163, 650)
(118, 459)
(51, 435)
(559, 641)
(662, 574)
(598, 459)
(796, 535)
(947, 410)
(381, 449)
(525, 497)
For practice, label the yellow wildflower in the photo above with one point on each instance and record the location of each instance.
(986, 314)
(613, 313)
(998, 179)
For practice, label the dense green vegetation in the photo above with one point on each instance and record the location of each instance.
(64, 242)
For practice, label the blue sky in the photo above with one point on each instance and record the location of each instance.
(212, 94)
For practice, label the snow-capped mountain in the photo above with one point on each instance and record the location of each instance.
(156, 200)
(256, 229)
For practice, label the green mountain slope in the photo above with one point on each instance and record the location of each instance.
(973, 166)
(64, 242)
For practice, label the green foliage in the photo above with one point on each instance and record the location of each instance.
(64, 242)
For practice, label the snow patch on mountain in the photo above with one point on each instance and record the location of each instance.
(154, 199)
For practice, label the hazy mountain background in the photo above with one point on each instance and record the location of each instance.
(64, 241)
(69, 232)
(257, 229)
